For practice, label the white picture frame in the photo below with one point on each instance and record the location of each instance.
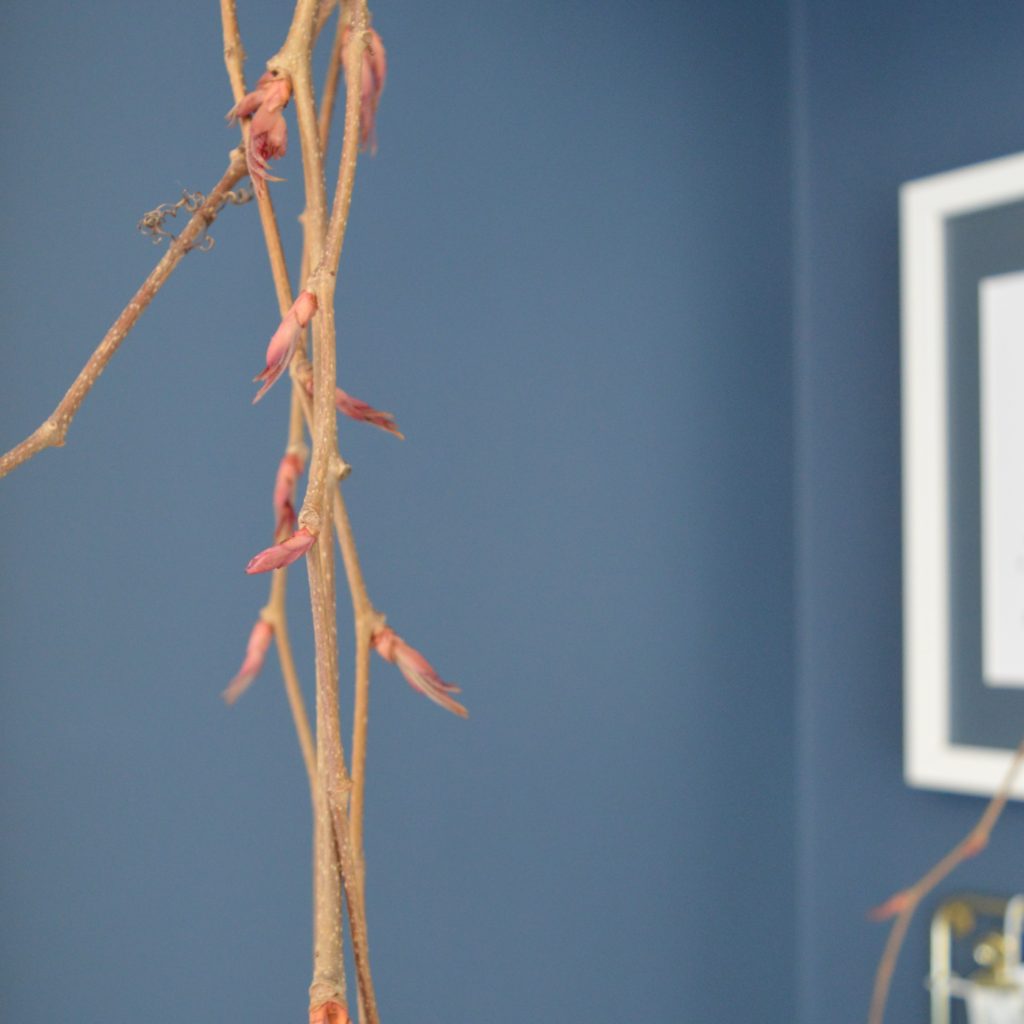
(935, 533)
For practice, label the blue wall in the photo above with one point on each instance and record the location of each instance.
(629, 279)
(569, 274)
(884, 92)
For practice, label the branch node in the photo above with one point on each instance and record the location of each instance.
(339, 467)
(309, 519)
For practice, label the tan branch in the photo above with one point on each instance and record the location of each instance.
(294, 60)
(904, 903)
(367, 620)
(53, 431)
(234, 58)
(276, 615)
(330, 90)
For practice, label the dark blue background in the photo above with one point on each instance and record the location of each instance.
(628, 277)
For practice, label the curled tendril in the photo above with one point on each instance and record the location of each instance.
(154, 222)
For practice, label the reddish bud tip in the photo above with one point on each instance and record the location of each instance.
(418, 672)
(282, 554)
(356, 409)
(255, 655)
(268, 132)
(372, 76)
(288, 473)
(285, 340)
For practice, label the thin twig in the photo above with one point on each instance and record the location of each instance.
(332, 783)
(275, 613)
(331, 80)
(234, 57)
(53, 431)
(367, 620)
(904, 903)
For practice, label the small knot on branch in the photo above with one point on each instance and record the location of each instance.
(154, 223)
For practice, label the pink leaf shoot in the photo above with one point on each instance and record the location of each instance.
(282, 554)
(419, 673)
(255, 655)
(285, 340)
(371, 85)
(357, 409)
(288, 473)
(268, 131)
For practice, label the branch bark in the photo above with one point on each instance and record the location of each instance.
(53, 431)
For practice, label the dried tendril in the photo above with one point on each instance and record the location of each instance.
(154, 222)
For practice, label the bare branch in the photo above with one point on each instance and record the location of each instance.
(904, 903)
(53, 431)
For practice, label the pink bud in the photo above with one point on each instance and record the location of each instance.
(288, 473)
(418, 672)
(357, 409)
(282, 554)
(255, 654)
(374, 72)
(268, 132)
(285, 340)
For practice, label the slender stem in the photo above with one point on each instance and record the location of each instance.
(365, 616)
(350, 144)
(330, 89)
(234, 58)
(275, 615)
(234, 52)
(367, 620)
(333, 785)
(906, 902)
(323, 278)
(332, 782)
(53, 431)
(357, 921)
(323, 13)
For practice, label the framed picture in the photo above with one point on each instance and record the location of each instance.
(962, 254)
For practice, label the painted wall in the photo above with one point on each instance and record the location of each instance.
(884, 92)
(569, 275)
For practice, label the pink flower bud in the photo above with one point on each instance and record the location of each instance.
(357, 409)
(268, 132)
(285, 340)
(374, 72)
(418, 672)
(255, 655)
(282, 554)
(288, 473)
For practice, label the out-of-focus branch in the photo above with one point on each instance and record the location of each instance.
(903, 904)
